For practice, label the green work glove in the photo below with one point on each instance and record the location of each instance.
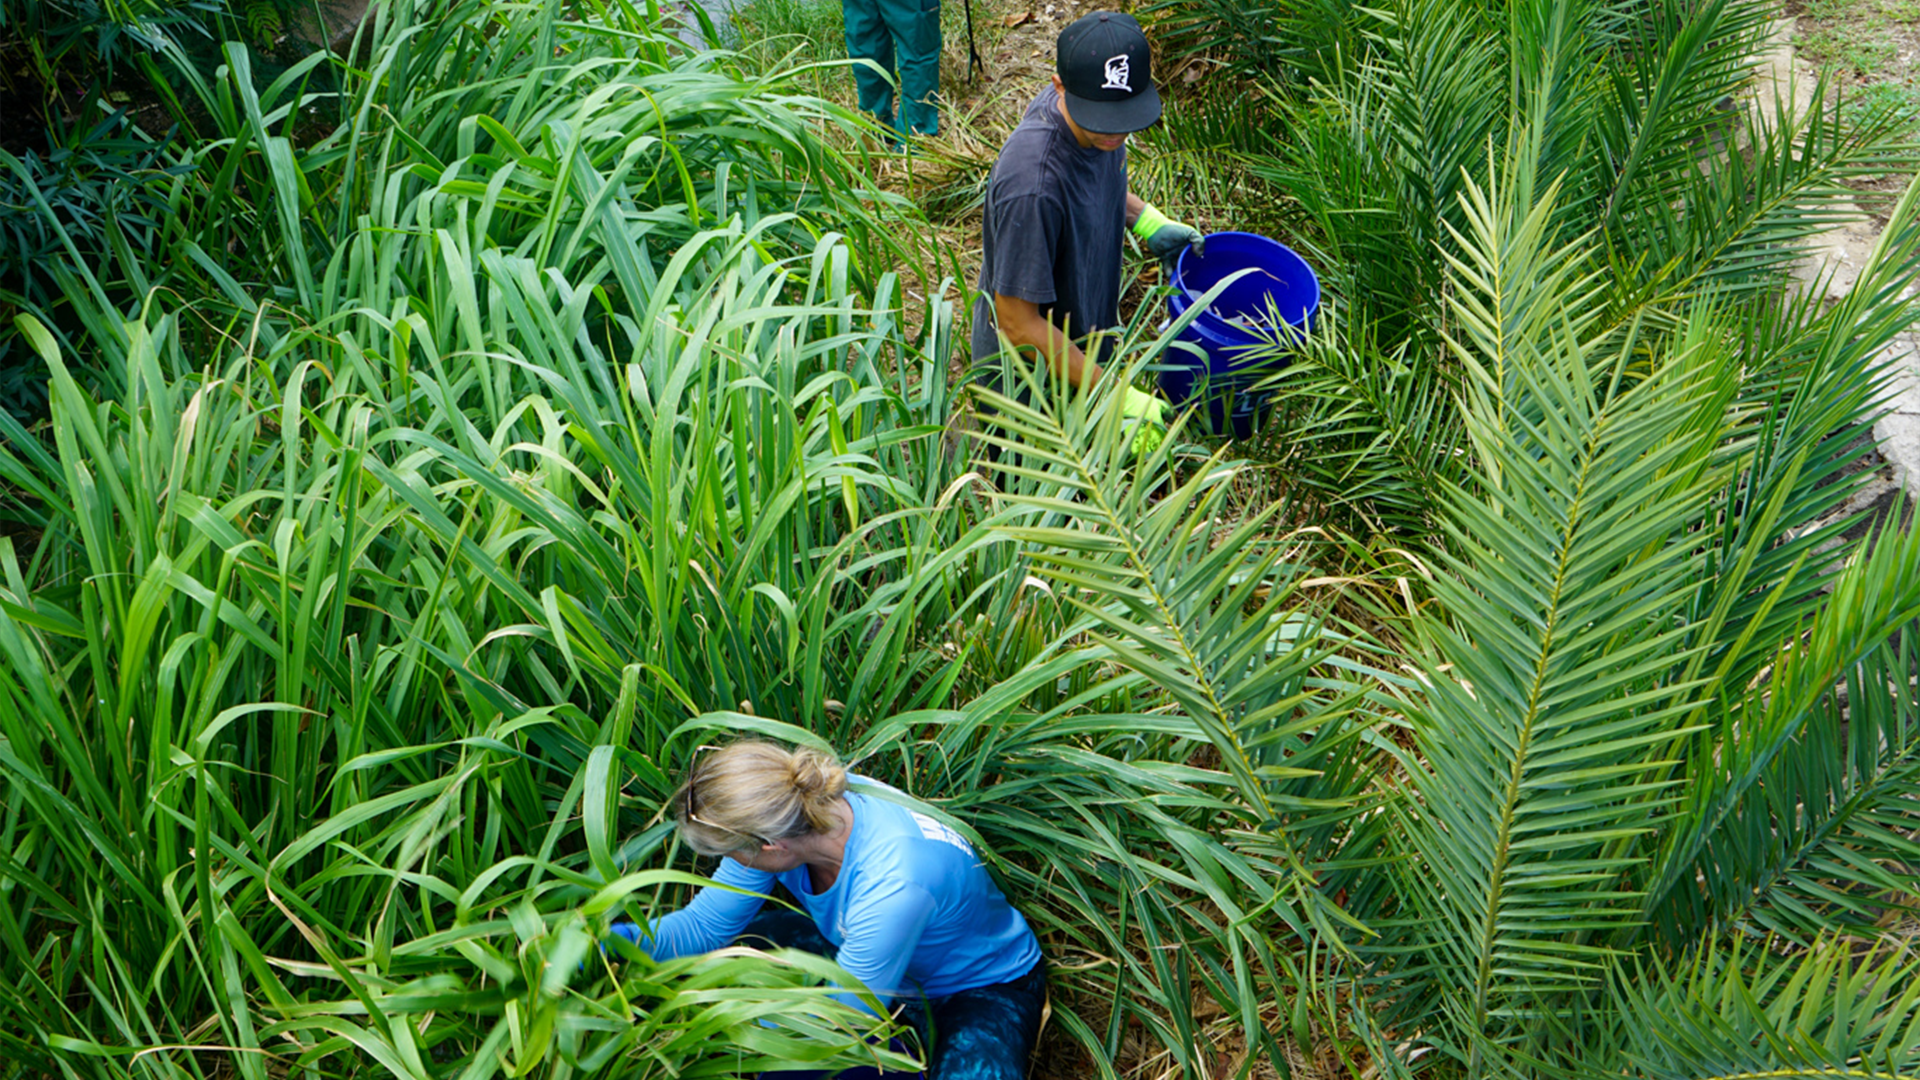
(1165, 237)
(1148, 414)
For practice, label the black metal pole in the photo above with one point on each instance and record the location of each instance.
(973, 51)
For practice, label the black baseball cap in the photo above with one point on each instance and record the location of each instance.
(1104, 65)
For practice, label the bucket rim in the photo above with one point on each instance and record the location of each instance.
(1180, 288)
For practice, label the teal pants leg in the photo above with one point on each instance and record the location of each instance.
(869, 39)
(908, 31)
(916, 35)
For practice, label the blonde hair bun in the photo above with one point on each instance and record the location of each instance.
(816, 774)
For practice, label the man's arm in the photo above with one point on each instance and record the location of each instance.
(1163, 236)
(1024, 326)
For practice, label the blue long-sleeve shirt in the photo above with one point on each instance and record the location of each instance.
(912, 911)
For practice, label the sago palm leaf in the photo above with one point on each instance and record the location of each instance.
(1203, 609)
(1375, 155)
(1738, 225)
(1827, 838)
(1174, 591)
(1367, 431)
(1674, 69)
(1532, 755)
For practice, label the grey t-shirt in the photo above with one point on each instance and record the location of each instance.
(1055, 217)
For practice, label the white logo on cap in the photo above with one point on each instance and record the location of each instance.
(1117, 74)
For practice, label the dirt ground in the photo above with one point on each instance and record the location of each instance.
(1871, 47)
(1869, 50)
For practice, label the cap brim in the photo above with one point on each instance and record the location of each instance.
(1116, 117)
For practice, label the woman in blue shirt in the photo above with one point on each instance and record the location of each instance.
(901, 901)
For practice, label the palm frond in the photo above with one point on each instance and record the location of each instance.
(1175, 592)
(1725, 1011)
(1534, 734)
(1667, 104)
(1778, 177)
(1825, 841)
(1200, 608)
(1783, 632)
(1739, 805)
(1375, 156)
(1367, 432)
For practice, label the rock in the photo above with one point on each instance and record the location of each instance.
(1833, 264)
(719, 11)
(1782, 77)
(1899, 435)
(1835, 258)
(330, 23)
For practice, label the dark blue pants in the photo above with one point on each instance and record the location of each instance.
(982, 1034)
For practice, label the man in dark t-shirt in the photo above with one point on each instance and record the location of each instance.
(1057, 207)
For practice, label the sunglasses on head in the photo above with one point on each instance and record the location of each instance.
(688, 797)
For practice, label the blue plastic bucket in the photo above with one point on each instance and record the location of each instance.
(1230, 359)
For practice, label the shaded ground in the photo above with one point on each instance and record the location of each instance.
(21, 129)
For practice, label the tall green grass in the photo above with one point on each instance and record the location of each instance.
(391, 540)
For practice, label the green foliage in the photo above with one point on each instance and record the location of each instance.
(487, 435)
(69, 35)
(1691, 191)
(1562, 363)
(1296, 42)
(99, 189)
(1553, 682)
(64, 42)
(1729, 1011)
(812, 28)
(377, 739)
(333, 831)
